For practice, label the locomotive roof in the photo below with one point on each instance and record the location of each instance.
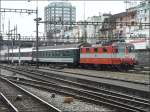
(113, 44)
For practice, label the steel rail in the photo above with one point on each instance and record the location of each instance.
(11, 106)
(49, 106)
(144, 83)
(81, 92)
(45, 83)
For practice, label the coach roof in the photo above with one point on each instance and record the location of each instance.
(64, 46)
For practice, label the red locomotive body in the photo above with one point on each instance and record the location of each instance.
(115, 54)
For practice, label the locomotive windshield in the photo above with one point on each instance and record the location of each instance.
(130, 49)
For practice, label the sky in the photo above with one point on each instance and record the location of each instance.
(26, 24)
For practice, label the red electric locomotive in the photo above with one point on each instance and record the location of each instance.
(116, 55)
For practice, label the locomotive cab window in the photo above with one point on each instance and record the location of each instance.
(95, 50)
(104, 50)
(130, 49)
(87, 50)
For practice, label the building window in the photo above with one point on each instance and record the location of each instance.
(145, 10)
(140, 27)
(121, 19)
(132, 23)
(121, 33)
(67, 19)
(66, 16)
(52, 12)
(66, 9)
(120, 25)
(58, 9)
(52, 9)
(145, 18)
(132, 17)
(66, 12)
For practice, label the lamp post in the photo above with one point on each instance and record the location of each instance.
(19, 49)
(149, 37)
(37, 30)
(0, 17)
(37, 19)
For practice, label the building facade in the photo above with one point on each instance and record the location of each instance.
(125, 24)
(93, 31)
(58, 12)
(143, 18)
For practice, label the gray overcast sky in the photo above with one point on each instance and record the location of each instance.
(26, 25)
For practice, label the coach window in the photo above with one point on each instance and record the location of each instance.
(45, 54)
(50, 53)
(95, 50)
(56, 53)
(67, 53)
(53, 53)
(87, 50)
(42, 54)
(39, 54)
(104, 50)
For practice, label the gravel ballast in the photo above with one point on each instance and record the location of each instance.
(58, 101)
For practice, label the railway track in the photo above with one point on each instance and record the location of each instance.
(138, 69)
(20, 100)
(96, 97)
(144, 92)
(5, 104)
(124, 80)
(99, 96)
(135, 89)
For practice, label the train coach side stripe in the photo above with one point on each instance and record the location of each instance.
(100, 60)
(70, 60)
